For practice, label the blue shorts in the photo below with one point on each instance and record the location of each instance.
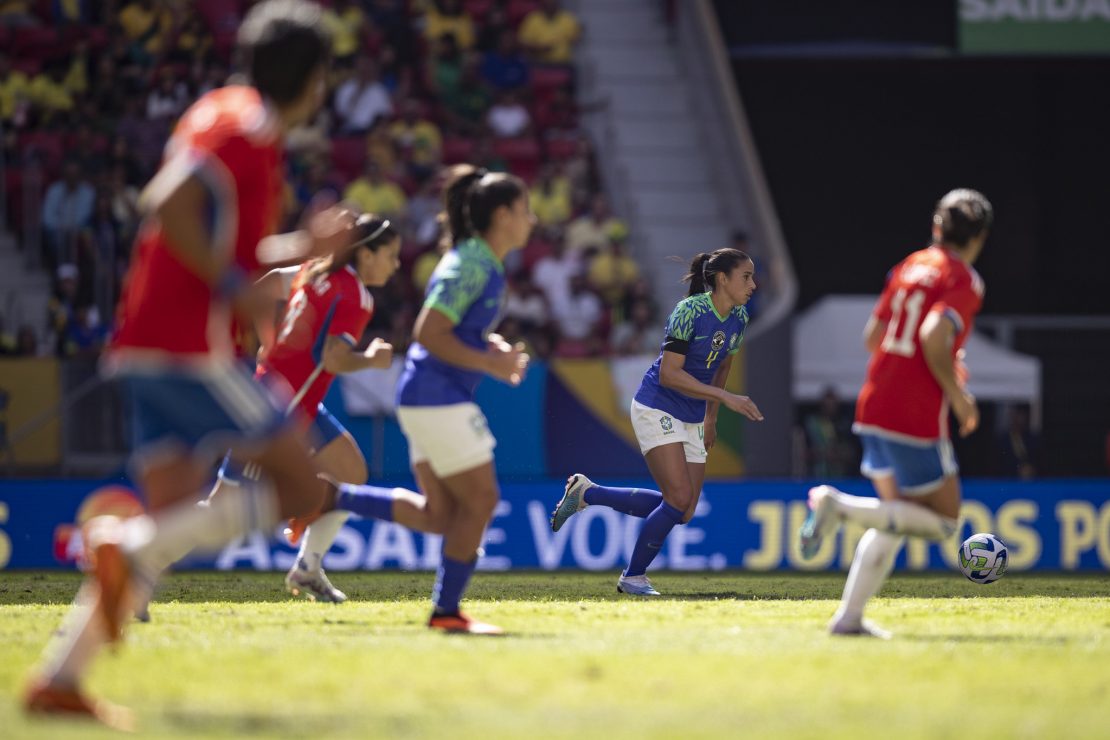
(204, 413)
(325, 428)
(917, 469)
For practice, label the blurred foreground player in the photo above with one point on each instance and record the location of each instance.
(915, 336)
(212, 209)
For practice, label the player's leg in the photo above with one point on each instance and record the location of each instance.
(871, 566)
(452, 454)
(928, 472)
(427, 511)
(667, 464)
(340, 458)
(581, 492)
(696, 456)
(55, 685)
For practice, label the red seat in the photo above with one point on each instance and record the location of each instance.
(348, 154)
(219, 15)
(457, 149)
(27, 65)
(522, 155)
(519, 9)
(561, 148)
(478, 9)
(535, 251)
(48, 146)
(545, 77)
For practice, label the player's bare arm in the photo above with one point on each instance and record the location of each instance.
(873, 333)
(435, 330)
(937, 335)
(340, 357)
(179, 208)
(711, 407)
(671, 375)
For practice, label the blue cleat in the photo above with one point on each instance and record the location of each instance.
(573, 501)
(812, 531)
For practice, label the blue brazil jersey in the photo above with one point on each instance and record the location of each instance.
(707, 337)
(467, 286)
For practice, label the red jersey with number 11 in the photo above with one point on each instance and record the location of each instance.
(901, 399)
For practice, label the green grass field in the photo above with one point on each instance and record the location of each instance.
(230, 655)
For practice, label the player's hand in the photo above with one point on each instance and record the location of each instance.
(497, 343)
(508, 363)
(743, 406)
(380, 353)
(331, 230)
(966, 411)
(962, 373)
(710, 439)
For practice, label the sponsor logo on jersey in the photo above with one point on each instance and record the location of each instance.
(718, 340)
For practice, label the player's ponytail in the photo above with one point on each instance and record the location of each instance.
(962, 215)
(706, 266)
(455, 216)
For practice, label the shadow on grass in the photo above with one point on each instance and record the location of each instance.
(987, 639)
(245, 587)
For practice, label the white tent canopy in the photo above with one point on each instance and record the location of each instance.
(828, 351)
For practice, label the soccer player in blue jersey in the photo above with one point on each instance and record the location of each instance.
(674, 413)
(450, 445)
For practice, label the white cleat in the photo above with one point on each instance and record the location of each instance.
(862, 628)
(314, 584)
(572, 502)
(636, 586)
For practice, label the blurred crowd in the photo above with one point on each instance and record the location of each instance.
(91, 89)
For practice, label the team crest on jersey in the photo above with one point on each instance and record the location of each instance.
(667, 423)
(718, 340)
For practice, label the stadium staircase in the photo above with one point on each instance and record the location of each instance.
(24, 293)
(650, 144)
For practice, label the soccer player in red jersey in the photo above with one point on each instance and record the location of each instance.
(211, 213)
(327, 311)
(915, 336)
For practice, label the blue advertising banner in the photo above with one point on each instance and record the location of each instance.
(1051, 525)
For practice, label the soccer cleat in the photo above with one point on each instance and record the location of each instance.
(460, 624)
(314, 584)
(636, 586)
(863, 628)
(573, 501)
(111, 570)
(296, 527)
(45, 700)
(816, 522)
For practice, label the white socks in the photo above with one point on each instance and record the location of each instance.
(155, 543)
(870, 567)
(318, 539)
(896, 517)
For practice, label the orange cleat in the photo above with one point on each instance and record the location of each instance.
(295, 528)
(460, 624)
(111, 570)
(44, 700)
(297, 525)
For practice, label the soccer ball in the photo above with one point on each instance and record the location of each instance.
(983, 558)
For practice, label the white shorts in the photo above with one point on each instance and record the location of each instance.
(654, 428)
(451, 439)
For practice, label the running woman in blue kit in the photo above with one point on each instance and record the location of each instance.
(674, 413)
(450, 445)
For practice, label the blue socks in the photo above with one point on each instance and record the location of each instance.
(633, 501)
(369, 502)
(657, 526)
(451, 580)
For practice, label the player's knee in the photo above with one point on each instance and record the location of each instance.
(681, 499)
